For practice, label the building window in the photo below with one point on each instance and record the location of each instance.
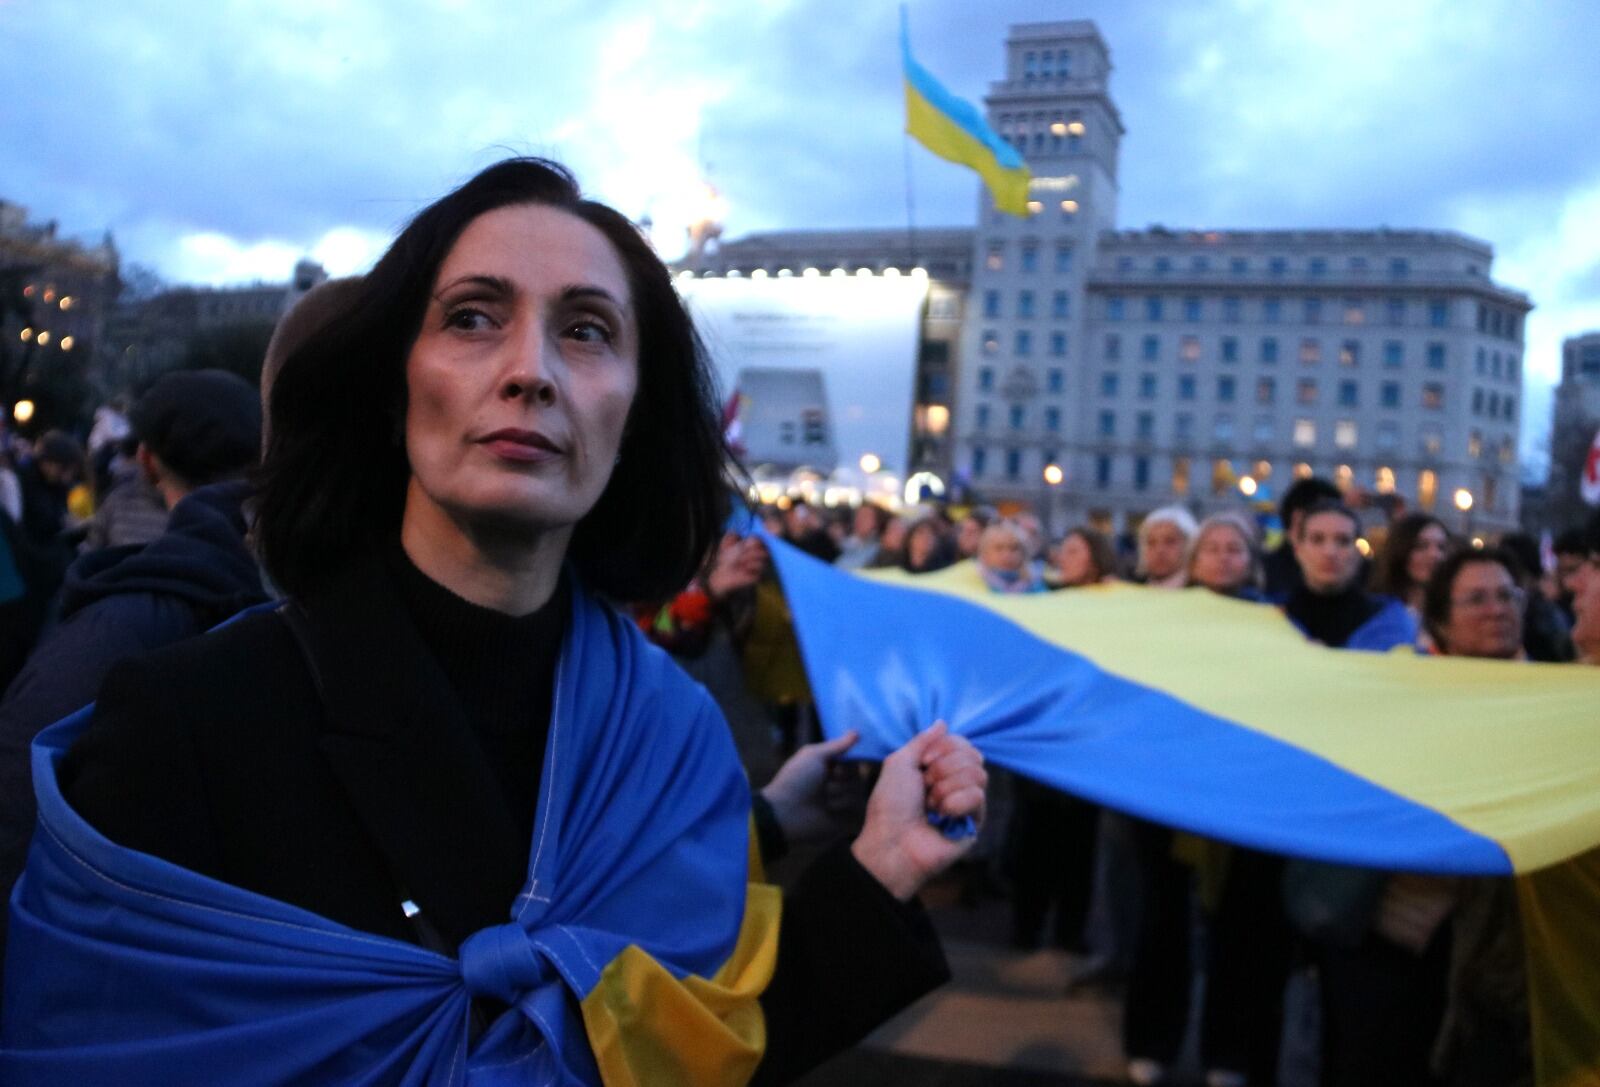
(1108, 424)
(1222, 428)
(1124, 264)
(1313, 311)
(1189, 348)
(1344, 434)
(1388, 435)
(979, 455)
(1394, 354)
(1477, 401)
(1432, 440)
(1199, 264)
(1060, 305)
(1145, 425)
(1510, 406)
(1349, 394)
(1030, 258)
(1147, 386)
(1494, 369)
(1052, 419)
(1305, 433)
(1319, 267)
(1141, 473)
(1389, 394)
(1180, 475)
(1063, 258)
(1433, 396)
(1399, 268)
(1018, 416)
(1494, 405)
(1230, 349)
(1163, 265)
(1108, 384)
(1232, 309)
(1058, 345)
(1186, 387)
(1226, 389)
(1191, 309)
(1266, 390)
(1271, 310)
(1054, 379)
(982, 417)
(1350, 353)
(1395, 312)
(1355, 312)
(1113, 347)
(1150, 348)
(1436, 356)
(1152, 307)
(996, 259)
(1238, 266)
(1025, 304)
(1183, 427)
(1306, 391)
(991, 341)
(1013, 463)
(1310, 351)
(991, 303)
(1102, 471)
(1114, 307)
(1277, 267)
(1475, 445)
(1427, 488)
(1024, 343)
(986, 379)
(1262, 433)
(1269, 350)
(1438, 313)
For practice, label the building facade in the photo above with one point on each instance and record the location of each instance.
(1196, 366)
(1575, 419)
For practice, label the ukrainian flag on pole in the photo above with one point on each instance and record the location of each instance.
(953, 129)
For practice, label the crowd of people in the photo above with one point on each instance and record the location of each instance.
(1414, 980)
(454, 474)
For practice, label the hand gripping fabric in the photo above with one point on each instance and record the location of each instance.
(634, 954)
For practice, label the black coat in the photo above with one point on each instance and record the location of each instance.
(352, 784)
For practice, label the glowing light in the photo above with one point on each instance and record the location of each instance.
(785, 273)
(759, 273)
(870, 463)
(1477, 542)
(1069, 206)
(1053, 474)
(837, 273)
(919, 272)
(1058, 129)
(1034, 207)
(891, 273)
(685, 275)
(22, 411)
(67, 342)
(864, 273)
(1463, 499)
(938, 418)
(67, 301)
(811, 273)
(1075, 128)
(44, 339)
(49, 294)
(1247, 486)
(27, 334)
(1363, 546)
(28, 291)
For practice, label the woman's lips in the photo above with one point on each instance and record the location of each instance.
(521, 446)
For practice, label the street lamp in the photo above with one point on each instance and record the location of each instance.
(22, 411)
(1463, 500)
(870, 463)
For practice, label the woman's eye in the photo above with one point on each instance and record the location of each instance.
(467, 319)
(589, 330)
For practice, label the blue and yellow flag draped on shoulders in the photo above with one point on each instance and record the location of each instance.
(635, 953)
(1216, 716)
(953, 129)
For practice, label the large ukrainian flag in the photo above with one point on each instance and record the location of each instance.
(1217, 717)
(953, 129)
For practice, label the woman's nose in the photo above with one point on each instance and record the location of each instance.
(526, 376)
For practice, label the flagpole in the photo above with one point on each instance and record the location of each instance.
(905, 139)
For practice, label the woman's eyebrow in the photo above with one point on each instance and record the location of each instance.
(581, 291)
(498, 285)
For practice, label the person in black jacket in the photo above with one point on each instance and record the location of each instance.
(512, 411)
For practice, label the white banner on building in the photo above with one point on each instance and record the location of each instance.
(825, 368)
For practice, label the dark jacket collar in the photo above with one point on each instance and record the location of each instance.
(401, 745)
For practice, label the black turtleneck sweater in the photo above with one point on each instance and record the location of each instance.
(503, 669)
(1331, 618)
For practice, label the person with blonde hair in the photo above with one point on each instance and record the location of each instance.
(1165, 539)
(1003, 560)
(1226, 558)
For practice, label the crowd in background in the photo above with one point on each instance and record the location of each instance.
(1418, 977)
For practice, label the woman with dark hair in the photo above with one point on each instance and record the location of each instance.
(929, 546)
(1417, 543)
(1084, 557)
(444, 813)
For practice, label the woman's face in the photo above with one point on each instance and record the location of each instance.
(1002, 551)
(894, 535)
(968, 535)
(1221, 559)
(1163, 551)
(920, 544)
(520, 380)
(1426, 553)
(1076, 563)
(1326, 552)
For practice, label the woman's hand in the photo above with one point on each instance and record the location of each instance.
(935, 772)
(805, 799)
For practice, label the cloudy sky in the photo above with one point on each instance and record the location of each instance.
(219, 141)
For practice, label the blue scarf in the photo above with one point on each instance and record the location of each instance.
(123, 968)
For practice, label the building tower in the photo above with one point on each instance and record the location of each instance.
(1018, 408)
